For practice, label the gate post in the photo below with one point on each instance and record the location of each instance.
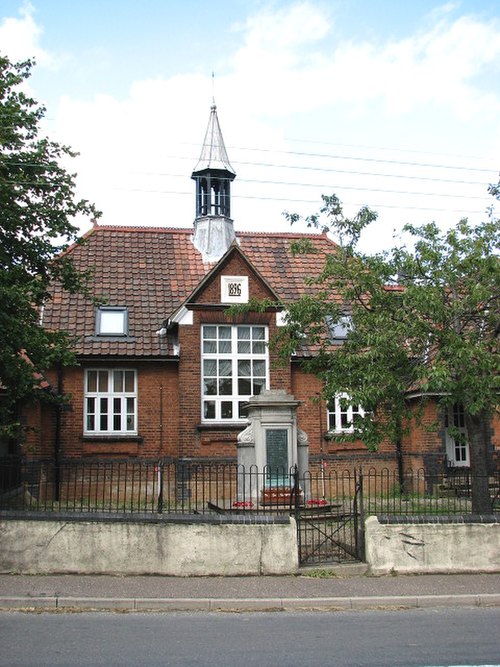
(160, 486)
(359, 529)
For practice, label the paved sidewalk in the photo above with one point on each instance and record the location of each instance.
(348, 588)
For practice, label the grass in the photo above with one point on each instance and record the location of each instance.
(318, 573)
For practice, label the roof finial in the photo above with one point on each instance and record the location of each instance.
(213, 89)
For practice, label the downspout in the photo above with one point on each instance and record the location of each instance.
(161, 421)
(321, 448)
(399, 458)
(57, 434)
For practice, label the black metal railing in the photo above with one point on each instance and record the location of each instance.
(187, 487)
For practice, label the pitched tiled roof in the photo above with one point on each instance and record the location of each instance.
(152, 271)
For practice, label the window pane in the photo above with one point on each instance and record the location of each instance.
(209, 367)
(258, 347)
(209, 409)
(210, 387)
(129, 381)
(225, 347)
(225, 332)
(117, 414)
(118, 381)
(243, 347)
(209, 332)
(112, 321)
(244, 368)
(103, 381)
(92, 381)
(209, 346)
(130, 422)
(259, 368)
(258, 386)
(226, 409)
(244, 387)
(459, 416)
(90, 422)
(225, 368)
(243, 333)
(242, 410)
(259, 333)
(225, 387)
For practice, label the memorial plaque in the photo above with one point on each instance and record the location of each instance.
(277, 449)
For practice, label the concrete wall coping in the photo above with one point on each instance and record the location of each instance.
(138, 517)
(437, 519)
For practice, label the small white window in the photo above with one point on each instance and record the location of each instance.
(110, 402)
(457, 446)
(339, 328)
(341, 414)
(112, 321)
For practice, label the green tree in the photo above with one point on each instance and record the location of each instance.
(37, 211)
(424, 319)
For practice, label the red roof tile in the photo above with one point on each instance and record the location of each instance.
(152, 271)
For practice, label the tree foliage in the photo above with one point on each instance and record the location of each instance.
(37, 209)
(425, 321)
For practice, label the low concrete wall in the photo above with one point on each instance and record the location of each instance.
(435, 544)
(185, 548)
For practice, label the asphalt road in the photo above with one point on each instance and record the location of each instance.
(406, 638)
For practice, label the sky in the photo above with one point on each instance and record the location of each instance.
(385, 103)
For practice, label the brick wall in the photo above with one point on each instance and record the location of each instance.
(158, 410)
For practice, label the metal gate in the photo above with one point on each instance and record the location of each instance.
(330, 521)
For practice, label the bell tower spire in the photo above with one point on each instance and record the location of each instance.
(213, 226)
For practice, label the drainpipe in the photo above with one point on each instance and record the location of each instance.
(399, 459)
(57, 435)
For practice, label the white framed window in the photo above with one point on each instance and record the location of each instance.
(111, 321)
(235, 366)
(110, 402)
(339, 328)
(341, 414)
(457, 446)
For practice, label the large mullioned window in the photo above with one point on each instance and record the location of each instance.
(110, 402)
(234, 367)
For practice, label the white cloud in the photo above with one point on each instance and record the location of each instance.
(137, 152)
(285, 63)
(20, 38)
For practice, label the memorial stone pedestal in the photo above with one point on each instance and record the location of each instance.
(270, 448)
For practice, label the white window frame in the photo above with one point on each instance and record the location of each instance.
(112, 321)
(457, 451)
(103, 404)
(341, 419)
(214, 406)
(339, 328)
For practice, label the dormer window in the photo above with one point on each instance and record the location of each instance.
(339, 327)
(112, 321)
